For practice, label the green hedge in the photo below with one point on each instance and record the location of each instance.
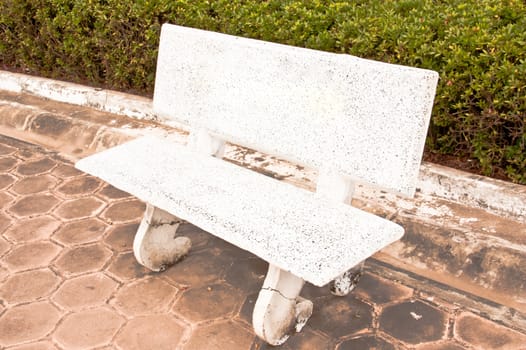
(478, 47)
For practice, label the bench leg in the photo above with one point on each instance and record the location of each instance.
(156, 245)
(279, 310)
(346, 283)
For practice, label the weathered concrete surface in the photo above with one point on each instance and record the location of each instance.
(76, 130)
(467, 248)
(496, 196)
(453, 235)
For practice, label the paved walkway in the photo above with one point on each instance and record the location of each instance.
(68, 280)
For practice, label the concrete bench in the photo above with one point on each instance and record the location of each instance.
(354, 120)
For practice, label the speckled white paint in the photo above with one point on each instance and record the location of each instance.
(299, 231)
(365, 119)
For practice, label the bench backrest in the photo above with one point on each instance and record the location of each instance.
(364, 119)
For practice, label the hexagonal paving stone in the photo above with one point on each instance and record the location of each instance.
(28, 322)
(4, 246)
(5, 199)
(31, 255)
(145, 296)
(245, 313)
(5, 221)
(126, 267)
(66, 170)
(219, 246)
(313, 292)
(484, 334)
(199, 269)
(307, 339)
(124, 211)
(111, 192)
(28, 286)
(34, 184)
(83, 231)
(367, 341)
(220, 336)
(4, 150)
(120, 238)
(381, 291)
(247, 274)
(446, 345)
(36, 167)
(28, 154)
(88, 329)
(34, 229)
(200, 238)
(79, 208)
(3, 274)
(413, 322)
(41, 345)
(144, 333)
(209, 302)
(6, 180)
(85, 291)
(7, 163)
(34, 204)
(83, 259)
(79, 185)
(339, 316)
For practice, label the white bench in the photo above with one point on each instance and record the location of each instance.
(354, 120)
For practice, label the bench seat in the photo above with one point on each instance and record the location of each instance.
(305, 233)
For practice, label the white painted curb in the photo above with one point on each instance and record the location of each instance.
(101, 99)
(498, 197)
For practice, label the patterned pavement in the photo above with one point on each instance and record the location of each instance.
(68, 280)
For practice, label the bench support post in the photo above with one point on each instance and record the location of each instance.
(156, 245)
(340, 188)
(279, 310)
(202, 141)
(346, 283)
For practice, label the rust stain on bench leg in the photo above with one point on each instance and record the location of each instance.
(346, 283)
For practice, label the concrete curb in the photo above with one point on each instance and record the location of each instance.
(499, 197)
(101, 99)
(75, 130)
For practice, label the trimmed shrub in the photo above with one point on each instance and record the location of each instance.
(478, 47)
